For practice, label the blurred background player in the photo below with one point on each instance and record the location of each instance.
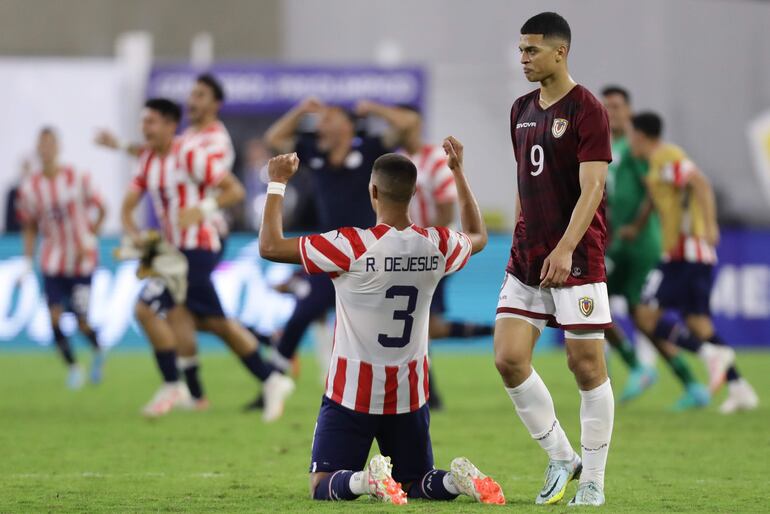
(62, 205)
(189, 181)
(635, 248)
(378, 388)
(433, 205)
(684, 199)
(340, 163)
(561, 142)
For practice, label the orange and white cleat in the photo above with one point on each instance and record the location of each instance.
(472, 482)
(169, 395)
(381, 483)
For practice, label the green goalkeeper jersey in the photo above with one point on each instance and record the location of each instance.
(626, 192)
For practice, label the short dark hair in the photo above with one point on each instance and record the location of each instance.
(549, 24)
(350, 115)
(617, 90)
(168, 109)
(48, 130)
(648, 123)
(396, 176)
(213, 83)
(410, 107)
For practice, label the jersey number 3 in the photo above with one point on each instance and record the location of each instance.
(405, 315)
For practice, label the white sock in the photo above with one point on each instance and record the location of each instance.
(534, 406)
(449, 484)
(359, 483)
(597, 413)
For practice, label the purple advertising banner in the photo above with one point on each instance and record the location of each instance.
(260, 88)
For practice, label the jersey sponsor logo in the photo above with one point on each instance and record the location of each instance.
(559, 127)
(526, 124)
(576, 271)
(586, 304)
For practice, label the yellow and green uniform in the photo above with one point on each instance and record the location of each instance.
(682, 218)
(629, 262)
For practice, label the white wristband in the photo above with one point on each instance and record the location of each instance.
(208, 207)
(276, 188)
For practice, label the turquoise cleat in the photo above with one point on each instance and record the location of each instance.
(640, 379)
(75, 377)
(97, 367)
(696, 396)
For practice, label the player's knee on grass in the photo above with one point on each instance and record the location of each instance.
(315, 479)
(585, 359)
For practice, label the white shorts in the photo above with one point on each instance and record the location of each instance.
(576, 308)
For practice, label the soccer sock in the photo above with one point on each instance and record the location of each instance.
(336, 486)
(681, 369)
(627, 353)
(257, 366)
(461, 329)
(732, 371)
(677, 334)
(436, 484)
(597, 412)
(534, 406)
(190, 368)
(91, 336)
(166, 360)
(63, 344)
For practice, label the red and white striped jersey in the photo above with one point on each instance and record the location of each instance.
(384, 279)
(435, 184)
(61, 206)
(184, 177)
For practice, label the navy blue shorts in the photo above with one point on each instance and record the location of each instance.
(202, 298)
(343, 438)
(71, 293)
(438, 305)
(681, 286)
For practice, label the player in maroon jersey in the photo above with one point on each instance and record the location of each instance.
(556, 275)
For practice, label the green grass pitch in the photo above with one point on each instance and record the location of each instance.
(90, 451)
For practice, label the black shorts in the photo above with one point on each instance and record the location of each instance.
(343, 438)
(71, 293)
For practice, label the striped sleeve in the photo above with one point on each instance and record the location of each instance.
(458, 250)
(444, 188)
(332, 252)
(678, 173)
(139, 178)
(208, 162)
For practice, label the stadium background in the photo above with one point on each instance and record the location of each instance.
(448, 57)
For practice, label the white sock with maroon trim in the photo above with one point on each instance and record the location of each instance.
(597, 413)
(534, 406)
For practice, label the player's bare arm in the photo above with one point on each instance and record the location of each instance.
(29, 238)
(470, 215)
(631, 231)
(272, 245)
(130, 202)
(704, 195)
(280, 135)
(558, 264)
(231, 192)
(107, 139)
(400, 120)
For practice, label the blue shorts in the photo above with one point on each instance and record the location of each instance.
(438, 304)
(71, 293)
(684, 287)
(343, 438)
(202, 299)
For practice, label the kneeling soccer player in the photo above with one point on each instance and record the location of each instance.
(377, 385)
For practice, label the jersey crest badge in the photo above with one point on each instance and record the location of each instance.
(586, 304)
(559, 127)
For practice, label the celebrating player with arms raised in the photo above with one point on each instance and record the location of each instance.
(377, 386)
(556, 275)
